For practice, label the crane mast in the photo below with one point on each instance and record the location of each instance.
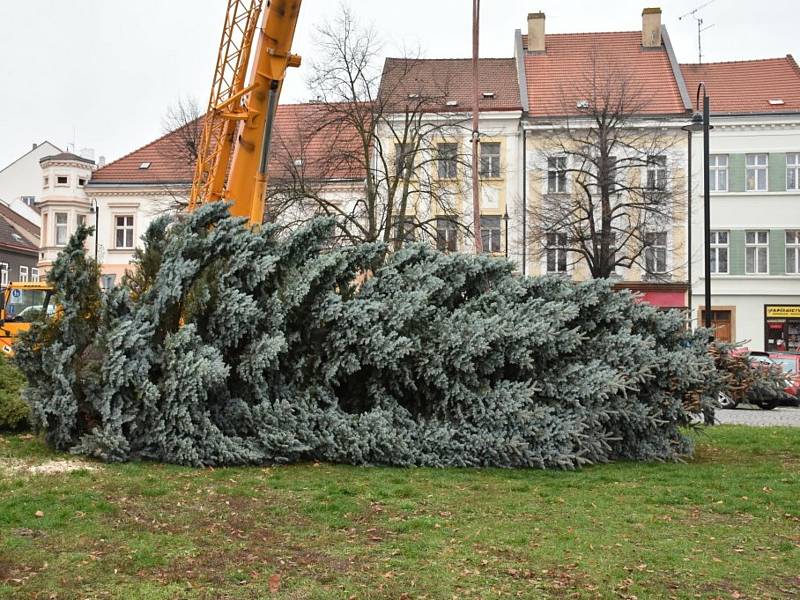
(234, 146)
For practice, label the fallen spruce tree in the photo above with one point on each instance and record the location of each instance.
(230, 346)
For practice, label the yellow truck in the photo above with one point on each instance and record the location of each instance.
(22, 304)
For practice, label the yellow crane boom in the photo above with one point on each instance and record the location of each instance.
(234, 146)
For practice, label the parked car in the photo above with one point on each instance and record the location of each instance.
(766, 389)
(790, 363)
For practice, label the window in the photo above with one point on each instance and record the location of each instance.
(107, 281)
(490, 233)
(61, 229)
(81, 220)
(490, 159)
(793, 171)
(34, 275)
(28, 200)
(409, 231)
(718, 171)
(611, 174)
(46, 182)
(655, 252)
(557, 175)
(556, 252)
(401, 161)
(657, 172)
(446, 235)
(23, 274)
(448, 164)
(123, 231)
(4, 274)
(793, 252)
(756, 172)
(756, 252)
(719, 252)
(62, 180)
(81, 182)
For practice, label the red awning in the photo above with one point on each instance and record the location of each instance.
(665, 299)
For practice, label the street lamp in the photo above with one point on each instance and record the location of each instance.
(96, 210)
(505, 218)
(701, 122)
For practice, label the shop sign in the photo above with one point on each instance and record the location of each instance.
(785, 312)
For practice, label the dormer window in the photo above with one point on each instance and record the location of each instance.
(145, 165)
(582, 104)
(776, 101)
(488, 95)
(452, 103)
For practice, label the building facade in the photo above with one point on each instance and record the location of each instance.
(21, 181)
(755, 202)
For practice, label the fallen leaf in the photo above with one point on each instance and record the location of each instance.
(39, 514)
(274, 583)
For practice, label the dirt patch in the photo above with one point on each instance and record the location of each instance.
(50, 467)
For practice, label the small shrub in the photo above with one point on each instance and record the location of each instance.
(14, 412)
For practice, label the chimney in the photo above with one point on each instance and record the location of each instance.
(35, 145)
(651, 28)
(536, 32)
(101, 162)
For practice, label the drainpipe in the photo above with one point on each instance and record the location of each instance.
(524, 200)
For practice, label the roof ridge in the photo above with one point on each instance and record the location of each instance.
(745, 60)
(631, 31)
(444, 59)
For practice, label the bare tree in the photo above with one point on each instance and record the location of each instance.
(392, 131)
(183, 121)
(610, 192)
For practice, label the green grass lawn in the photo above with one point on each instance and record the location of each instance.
(725, 525)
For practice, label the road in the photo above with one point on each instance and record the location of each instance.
(783, 416)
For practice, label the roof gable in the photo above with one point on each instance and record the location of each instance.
(558, 78)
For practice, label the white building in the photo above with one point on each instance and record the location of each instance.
(21, 181)
(755, 202)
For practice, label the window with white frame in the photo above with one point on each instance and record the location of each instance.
(447, 160)
(718, 172)
(28, 200)
(23, 274)
(34, 275)
(756, 172)
(491, 231)
(793, 171)
(793, 252)
(657, 172)
(557, 175)
(61, 229)
(719, 252)
(446, 231)
(490, 159)
(756, 252)
(123, 231)
(655, 252)
(556, 252)
(4, 274)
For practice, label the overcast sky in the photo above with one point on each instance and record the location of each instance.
(102, 73)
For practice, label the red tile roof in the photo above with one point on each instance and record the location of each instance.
(300, 131)
(450, 79)
(747, 86)
(560, 77)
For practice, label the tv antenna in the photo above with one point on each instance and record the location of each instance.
(700, 28)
